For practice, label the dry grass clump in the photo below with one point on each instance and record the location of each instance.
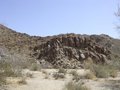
(77, 78)
(22, 81)
(6, 71)
(104, 71)
(2, 80)
(44, 72)
(35, 67)
(30, 75)
(75, 86)
(90, 75)
(74, 72)
(113, 73)
(101, 70)
(9, 67)
(62, 70)
(46, 76)
(59, 75)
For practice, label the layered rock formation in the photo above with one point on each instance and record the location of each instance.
(70, 51)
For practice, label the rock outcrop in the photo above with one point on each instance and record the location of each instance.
(70, 51)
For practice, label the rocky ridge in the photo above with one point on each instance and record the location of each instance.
(71, 50)
(64, 50)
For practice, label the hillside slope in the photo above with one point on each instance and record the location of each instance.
(64, 50)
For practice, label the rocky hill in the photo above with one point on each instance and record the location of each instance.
(64, 50)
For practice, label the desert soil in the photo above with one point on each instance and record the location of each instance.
(43, 80)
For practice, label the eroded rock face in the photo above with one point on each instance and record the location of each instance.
(70, 51)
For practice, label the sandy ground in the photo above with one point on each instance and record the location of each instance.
(39, 82)
(43, 80)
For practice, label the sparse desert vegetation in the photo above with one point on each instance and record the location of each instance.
(72, 80)
(75, 86)
(62, 70)
(60, 74)
(35, 67)
(62, 62)
(22, 81)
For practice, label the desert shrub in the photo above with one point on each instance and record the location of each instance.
(11, 65)
(35, 67)
(77, 77)
(113, 73)
(46, 76)
(44, 72)
(75, 86)
(22, 81)
(114, 67)
(90, 75)
(7, 70)
(104, 71)
(17, 61)
(30, 75)
(62, 70)
(2, 80)
(113, 84)
(101, 71)
(88, 63)
(59, 75)
(74, 73)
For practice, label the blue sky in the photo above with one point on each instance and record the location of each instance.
(51, 17)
